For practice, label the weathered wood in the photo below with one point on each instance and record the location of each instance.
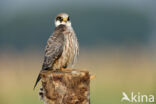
(65, 87)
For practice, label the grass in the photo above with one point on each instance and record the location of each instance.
(115, 71)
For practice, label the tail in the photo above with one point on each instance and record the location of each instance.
(38, 79)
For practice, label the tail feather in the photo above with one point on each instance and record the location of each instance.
(38, 79)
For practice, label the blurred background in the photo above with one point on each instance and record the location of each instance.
(117, 44)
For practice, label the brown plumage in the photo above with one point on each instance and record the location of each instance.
(62, 47)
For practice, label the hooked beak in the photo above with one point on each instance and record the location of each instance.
(65, 19)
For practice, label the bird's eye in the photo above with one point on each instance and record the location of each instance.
(59, 18)
(68, 19)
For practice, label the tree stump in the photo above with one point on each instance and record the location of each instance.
(65, 87)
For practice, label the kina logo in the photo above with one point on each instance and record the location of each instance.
(137, 97)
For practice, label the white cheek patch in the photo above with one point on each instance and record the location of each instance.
(57, 23)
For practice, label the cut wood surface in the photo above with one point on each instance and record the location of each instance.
(65, 87)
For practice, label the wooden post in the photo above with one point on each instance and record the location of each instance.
(65, 87)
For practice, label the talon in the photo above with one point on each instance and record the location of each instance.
(62, 69)
(65, 69)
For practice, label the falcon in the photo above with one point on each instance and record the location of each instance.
(62, 46)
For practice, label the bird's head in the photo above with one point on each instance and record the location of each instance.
(62, 19)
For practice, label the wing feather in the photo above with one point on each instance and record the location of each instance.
(54, 48)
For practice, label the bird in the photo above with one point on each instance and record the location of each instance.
(62, 47)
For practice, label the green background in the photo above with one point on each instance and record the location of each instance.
(117, 44)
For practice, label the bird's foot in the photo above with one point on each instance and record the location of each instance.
(65, 69)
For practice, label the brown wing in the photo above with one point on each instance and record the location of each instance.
(54, 47)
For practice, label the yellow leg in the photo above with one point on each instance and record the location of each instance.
(65, 69)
